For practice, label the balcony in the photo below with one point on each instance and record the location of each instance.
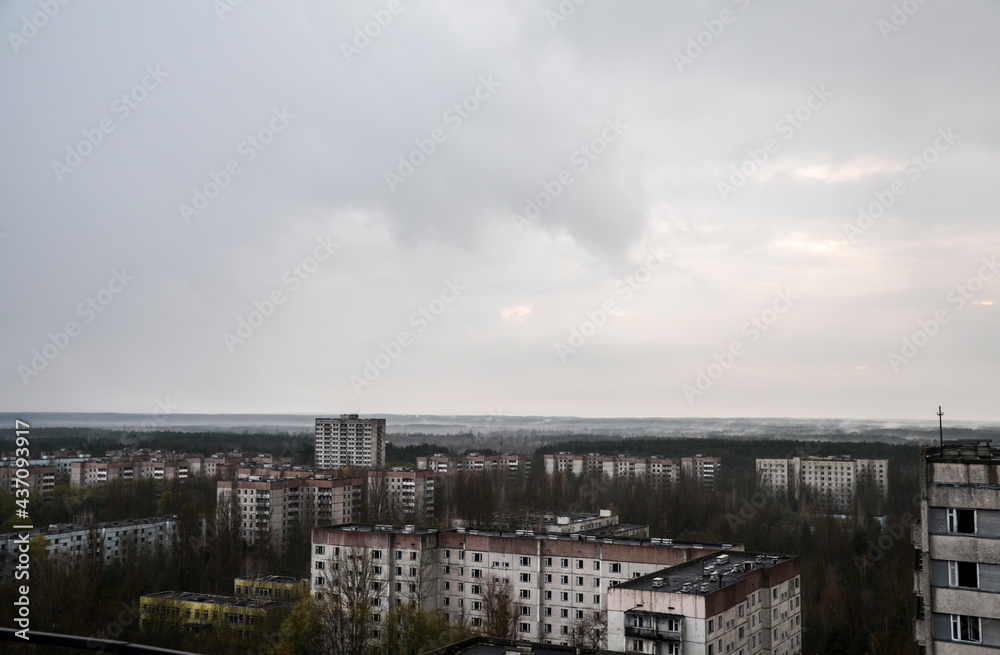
(645, 632)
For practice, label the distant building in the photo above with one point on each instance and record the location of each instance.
(559, 581)
(735, 602)
(957, 542)
(402, 492)
(271, 506)
(111, 541)
(145, 464)
(350, 441)
(830, 481)
(38, 479)
(508, 463)
(60, 460)
(699, 469)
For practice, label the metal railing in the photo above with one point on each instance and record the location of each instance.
(85, 643)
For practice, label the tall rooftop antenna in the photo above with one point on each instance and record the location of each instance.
(940, 426)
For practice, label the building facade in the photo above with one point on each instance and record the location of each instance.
(271, 587)
(37, 480)
(401, 492)
(957, 542)
(509, 463)
(112, 541)
(734, 602)
(350, 441)
(271, 506)
(831, 481)
(559, 582)
(699, 469)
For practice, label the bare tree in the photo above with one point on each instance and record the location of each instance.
(346, 607)
(423, 579)
(499, 613)
(590, 631)
(252, 567)
(383, 505)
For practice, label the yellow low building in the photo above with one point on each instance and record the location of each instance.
(272, 587)
(194, 610)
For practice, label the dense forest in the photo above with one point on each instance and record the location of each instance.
(857, 595)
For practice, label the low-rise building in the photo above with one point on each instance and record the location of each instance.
(248, 616)
(733, 602)
(272, 587)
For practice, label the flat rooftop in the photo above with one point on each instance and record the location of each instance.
(709, 570)
(59, 528)
(212, 599)
(283, 579)
(964, 451)
(528, 534)
(582, 536)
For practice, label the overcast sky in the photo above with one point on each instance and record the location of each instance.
(517, 207)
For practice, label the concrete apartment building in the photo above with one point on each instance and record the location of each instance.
(113, 540)
(39, 479)
(558, 580)
(267, 505)
(84, 474)
(831, 481)
(403, 492)
(60, 460)
(957, 542)
(507, 463)
(160, 465)
(735, 602)
(699, 469)
(350, 441)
